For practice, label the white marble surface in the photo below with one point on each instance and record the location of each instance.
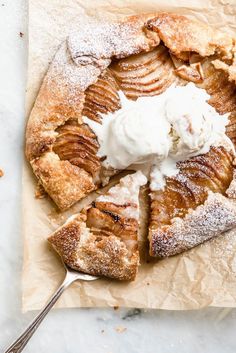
(86, 330)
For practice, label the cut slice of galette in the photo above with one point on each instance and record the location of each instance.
(103, 239)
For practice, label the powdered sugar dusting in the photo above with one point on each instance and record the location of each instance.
(216, 215)
(74, 76)
(96, 43)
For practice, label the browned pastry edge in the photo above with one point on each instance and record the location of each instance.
(215, 216)
(55, 174)
(230, 70)
(78, 63)
(183, 36)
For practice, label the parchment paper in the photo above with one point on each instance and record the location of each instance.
(204, 276)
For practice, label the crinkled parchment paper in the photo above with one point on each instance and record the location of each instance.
(203, 276)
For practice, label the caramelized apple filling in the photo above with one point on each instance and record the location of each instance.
(145, 74)
(106, 219)
(78, 144)
(197, 176)
(101, 97)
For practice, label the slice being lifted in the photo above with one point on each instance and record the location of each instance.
(102, 240)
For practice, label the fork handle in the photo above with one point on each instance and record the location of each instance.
(19, 344)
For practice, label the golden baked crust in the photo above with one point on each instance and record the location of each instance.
(102, 240)
(229, 68)
(142, 56)
(184, 36)
(63, 181)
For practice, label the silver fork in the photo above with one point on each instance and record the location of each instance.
(71, 276)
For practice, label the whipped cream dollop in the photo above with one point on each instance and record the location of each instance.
(159, 131)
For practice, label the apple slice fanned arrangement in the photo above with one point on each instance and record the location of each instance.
(142, 56)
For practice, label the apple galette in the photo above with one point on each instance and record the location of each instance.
(153, 93)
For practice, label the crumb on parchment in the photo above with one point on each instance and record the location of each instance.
(1, 173)
(121, 329)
